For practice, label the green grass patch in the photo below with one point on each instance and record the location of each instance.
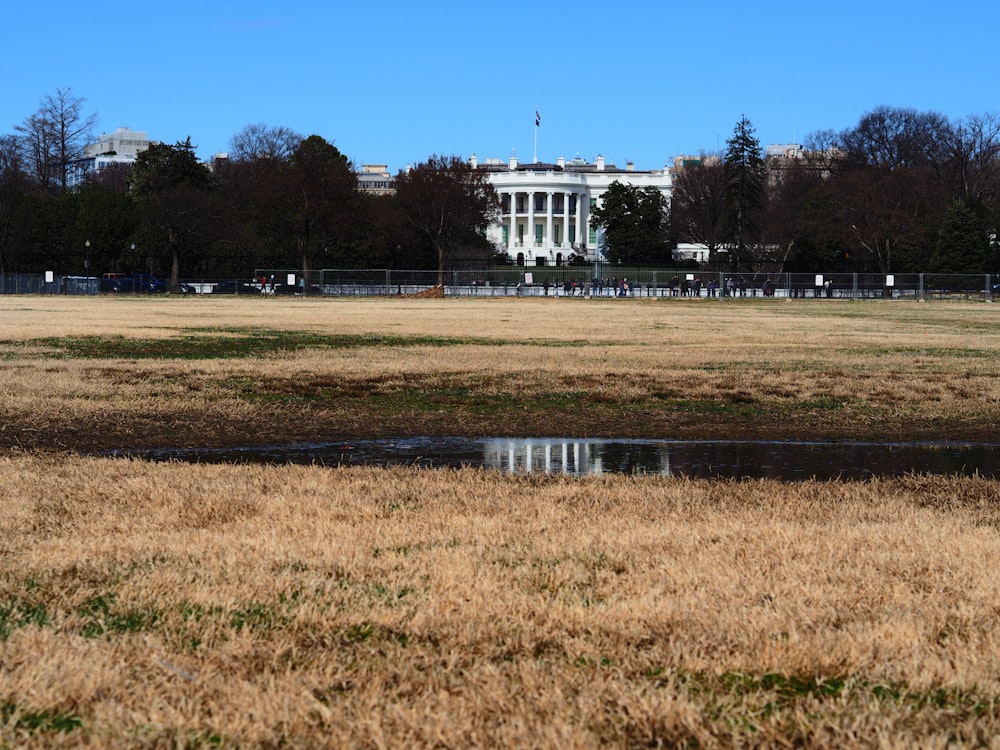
(38, 721)
(19, 613)
(101, 616)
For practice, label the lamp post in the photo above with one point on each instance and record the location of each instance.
(132, 256)
(86, 260)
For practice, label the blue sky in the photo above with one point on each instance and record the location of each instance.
(394, 82)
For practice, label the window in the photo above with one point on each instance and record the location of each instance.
(506, 235)
(538, 234)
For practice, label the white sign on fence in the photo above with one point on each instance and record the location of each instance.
(49, 277)
(890, 280)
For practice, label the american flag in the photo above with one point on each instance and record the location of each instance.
(538, 119)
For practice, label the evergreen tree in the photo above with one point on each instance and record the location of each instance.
(963, 244)
(635, 224)
(745, 178)
(173, 189)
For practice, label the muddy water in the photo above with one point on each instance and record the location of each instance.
(721, 459)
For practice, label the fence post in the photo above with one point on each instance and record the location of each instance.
(921, 288)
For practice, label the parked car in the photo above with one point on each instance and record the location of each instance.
(109, 282)
(232, 286)
(133, 282)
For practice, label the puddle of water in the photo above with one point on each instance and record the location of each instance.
(788, 461)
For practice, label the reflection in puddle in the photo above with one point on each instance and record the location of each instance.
(576, 456)
(716, 459)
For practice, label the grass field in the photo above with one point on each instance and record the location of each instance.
(172, 605)
(112, 373)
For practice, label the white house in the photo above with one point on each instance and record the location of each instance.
(545, 208)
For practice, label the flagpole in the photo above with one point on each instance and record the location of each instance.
(538, 121)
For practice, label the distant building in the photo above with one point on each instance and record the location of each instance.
(124, 143)
(781, 158)
(375, 178)
(546, 208)
(120, 147)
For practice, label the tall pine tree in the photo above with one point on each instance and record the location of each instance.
(963, 244)
(745, 178)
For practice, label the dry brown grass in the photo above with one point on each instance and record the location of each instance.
(754, 368)
(173, 605)
(167, 605)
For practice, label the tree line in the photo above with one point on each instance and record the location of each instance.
(901, 191)
(280, 200)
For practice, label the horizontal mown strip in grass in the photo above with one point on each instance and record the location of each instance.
(239, 343)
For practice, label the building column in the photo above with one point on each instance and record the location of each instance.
(531, 221)
(512, 238)
(548, 219)
(565, 231)
(580, 237)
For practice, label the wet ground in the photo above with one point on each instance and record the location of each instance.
(783, 460)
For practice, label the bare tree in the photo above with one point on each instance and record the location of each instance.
(256, 142)
(893, 137)
(891, 215)
(972, 167)
(55, 136)
(450, 204)
(697, 202)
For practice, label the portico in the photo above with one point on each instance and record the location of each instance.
(545, 208)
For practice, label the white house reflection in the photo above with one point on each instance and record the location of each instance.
(581, 456)
(576, 457)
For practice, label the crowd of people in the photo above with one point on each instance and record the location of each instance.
(675, 287)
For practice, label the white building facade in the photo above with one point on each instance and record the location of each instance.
(120, 147)
(546, 208)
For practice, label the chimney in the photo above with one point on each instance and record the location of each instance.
(513, 163)
(474, 161)
(600, 163)
(561, 161)
(630, 166)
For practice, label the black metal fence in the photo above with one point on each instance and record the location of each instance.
(607, 281)
(602, 280)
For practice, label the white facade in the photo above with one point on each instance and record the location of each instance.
(122, 143)
(375, 178)
(120, 147)
(545, 208)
